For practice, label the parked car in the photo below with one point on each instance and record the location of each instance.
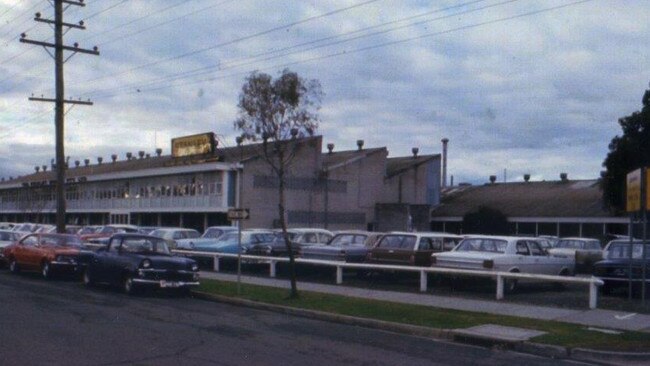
(408, 248)
(504, 254)
(171, 234)
(210, 235)
(26, 227)
(108, 230)
(7, 225)
(47, 253)
(138, 261)
(8, 237)
(299, 238)
(228, 243)
(614, 269)
(585, 251)
(348, 246)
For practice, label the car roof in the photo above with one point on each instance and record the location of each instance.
(424, 233)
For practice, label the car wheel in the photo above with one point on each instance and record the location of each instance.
(46, 270)
(13, 266)
(129, 286)
(88, 281)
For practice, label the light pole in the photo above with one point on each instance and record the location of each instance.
(240, 170)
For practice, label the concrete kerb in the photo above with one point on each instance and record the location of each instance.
(538, 349)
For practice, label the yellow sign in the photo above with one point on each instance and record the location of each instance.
(193, 145)
(633, 191)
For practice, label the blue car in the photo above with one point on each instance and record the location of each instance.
(228, 243)
(209, 237)
(137, 261)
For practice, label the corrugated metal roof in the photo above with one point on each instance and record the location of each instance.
(581, 198)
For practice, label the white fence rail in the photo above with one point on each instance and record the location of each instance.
(500, 277)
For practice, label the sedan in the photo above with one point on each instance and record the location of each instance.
(137, 261)
(585, 251)
(347, 246)
(615, 267)
(407, 248)
(47, 253)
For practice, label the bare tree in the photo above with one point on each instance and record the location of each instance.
(278, 112)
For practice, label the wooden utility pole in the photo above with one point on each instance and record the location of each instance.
(59, 100)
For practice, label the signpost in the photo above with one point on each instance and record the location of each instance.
(238, 214)
(638, 201)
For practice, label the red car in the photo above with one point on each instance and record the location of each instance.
(46, 253)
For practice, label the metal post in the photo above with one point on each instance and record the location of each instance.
(629, 266)
(423, 281)
(644, 196)
(272, 264)
(215, 263)
(593, 295)
(339, 275)
(499, 287)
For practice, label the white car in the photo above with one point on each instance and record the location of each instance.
(210, 235)
(504, 254)
(585, 251)
(171, 234)
(8, 237)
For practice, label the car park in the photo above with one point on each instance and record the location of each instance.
(504, 254)
(137, 261)
(47, 253)
(408, 248)
(210, 235)
(614, 269)
(586, 252)
(347, 246)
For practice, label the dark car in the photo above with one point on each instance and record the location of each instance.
(274, 248)
(138, 261)
(407, 248)
(47, 253)
(614, 269)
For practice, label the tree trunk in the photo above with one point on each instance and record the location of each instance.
(283, 223)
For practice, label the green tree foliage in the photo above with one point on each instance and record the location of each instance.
(485, 220)
(279, 112)
(626, 153)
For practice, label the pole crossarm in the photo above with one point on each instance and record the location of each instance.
(77, 3)
(66, 101)
(67, 48)
(69, 25)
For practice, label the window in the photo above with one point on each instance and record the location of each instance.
(408, 243)
(535, 248)
(30, 240)
(522, 248)
(426, 244)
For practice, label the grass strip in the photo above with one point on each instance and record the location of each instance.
(558, 333)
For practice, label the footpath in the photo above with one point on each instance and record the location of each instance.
(599, 319)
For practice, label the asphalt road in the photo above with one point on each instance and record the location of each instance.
(62, 323)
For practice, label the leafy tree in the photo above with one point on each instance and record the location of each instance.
(485, 220)
(626, 153)
(277, 112)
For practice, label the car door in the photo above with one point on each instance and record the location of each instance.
(541, 262)
(106, 262)
(425, 248)
(385, 248)
(26, 253)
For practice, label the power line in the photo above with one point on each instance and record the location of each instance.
(105, 10)
(363, 49)
(251, 36)
(279, 53)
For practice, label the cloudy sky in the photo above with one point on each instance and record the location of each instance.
(525, 86)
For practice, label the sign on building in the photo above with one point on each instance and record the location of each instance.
(193, 145)
(238, 214)
(633, 189)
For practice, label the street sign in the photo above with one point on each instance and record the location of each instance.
(633, 189)
(238, 214)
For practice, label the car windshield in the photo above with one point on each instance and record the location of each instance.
(622, 251)
(7, 236)
(61, 240)
(213, 233)
(482, 245)
(348, 239)
(145, 245)
(87, 230)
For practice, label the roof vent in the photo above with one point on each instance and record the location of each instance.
(415, 151)
(360, 144)
(141, 154)
(294, 133)
(564, 177)
(44, 167)
(129, 156)
(147, 156)
(37, 168)
(114, 157)
(493, 178)
(99, 160)
(158, 152)
(86, 162)
(330, 148)
(526, 177)
(77, 163)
